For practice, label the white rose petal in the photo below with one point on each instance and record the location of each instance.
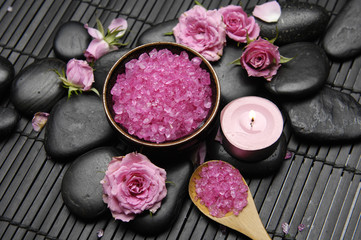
(268, 12)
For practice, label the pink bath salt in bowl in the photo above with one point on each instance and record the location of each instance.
(221, 189)
(162, 96)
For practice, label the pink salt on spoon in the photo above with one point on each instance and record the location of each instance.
(246, 222)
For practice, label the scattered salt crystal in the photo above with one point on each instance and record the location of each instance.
(221, 189)
(162, 96)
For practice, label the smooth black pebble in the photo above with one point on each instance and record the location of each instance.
(103, 65)
(75, 126)
(8, 120)
(81, 189)
(304, 75)
(71, 40)
(37, 88)
(233, 79)
(343, 38)
(7, 73)
(299, 21)
(328, 116)
(157, 33)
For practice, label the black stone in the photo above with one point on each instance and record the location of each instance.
(156, 33)
(179, 170)
(71, 40)
(305, 74)
(103, 65)
(263, 168)
(37, 87)
(233, 79)
(81, 188)
(6, 76)
(75, 126)
(299, 21)
(343, 38)
(8, 120)
(328, 116)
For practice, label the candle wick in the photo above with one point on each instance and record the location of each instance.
(252, 122)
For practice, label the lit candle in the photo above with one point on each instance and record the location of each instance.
(251, 127)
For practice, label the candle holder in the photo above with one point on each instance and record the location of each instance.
(251, 127)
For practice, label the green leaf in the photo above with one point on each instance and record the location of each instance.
(95, 90)
(120, 44)
(100, 27)
(199, 4)
(170, 182)
(285, 59)
(275, 38)
(236, 62)
(168, 33)
(73, 89)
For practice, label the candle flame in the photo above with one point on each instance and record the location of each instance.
(252, 115)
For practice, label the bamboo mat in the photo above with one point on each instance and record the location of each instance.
(318, 187)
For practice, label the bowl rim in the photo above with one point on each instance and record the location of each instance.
(171, 143)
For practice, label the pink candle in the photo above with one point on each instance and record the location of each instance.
(251, 127)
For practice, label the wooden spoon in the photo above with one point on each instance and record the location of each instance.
(247, 222)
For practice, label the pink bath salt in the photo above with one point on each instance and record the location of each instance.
(221, 189)
(162, 96)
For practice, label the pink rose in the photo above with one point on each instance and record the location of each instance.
(261, 59)
(133, 184)
(79, 74)
(202, 30)
(104, 43)
(238, 24)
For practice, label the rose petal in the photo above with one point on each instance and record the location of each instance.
(301, 227)
(95, 33)
(268, 12)
(118, 24)
(39, 120)
(285, 228)
(100, 233)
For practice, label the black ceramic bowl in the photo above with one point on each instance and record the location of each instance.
(183, 143)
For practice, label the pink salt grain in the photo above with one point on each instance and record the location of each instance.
(162, 96)
(221, 189)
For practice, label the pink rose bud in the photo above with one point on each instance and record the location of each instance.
(80, 74)
(39, 120)
(97, 48)
(238, 24)
(133, 184)
(261, 59)
(202, 30)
